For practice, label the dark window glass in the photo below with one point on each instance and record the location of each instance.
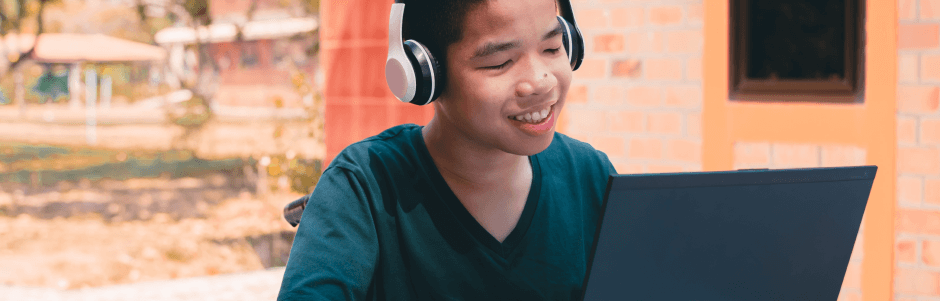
(782, 48)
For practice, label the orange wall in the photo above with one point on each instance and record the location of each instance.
(353, 47)
(802, 129)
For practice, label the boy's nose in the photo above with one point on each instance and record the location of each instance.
(537, 85)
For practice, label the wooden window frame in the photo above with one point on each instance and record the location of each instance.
(848, 90)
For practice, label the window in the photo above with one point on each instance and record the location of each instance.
(797, 50)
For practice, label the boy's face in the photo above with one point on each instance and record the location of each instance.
(509, 62)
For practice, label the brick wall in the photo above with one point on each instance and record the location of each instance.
(638, 93)
(917, 242)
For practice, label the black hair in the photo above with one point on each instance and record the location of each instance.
(436, 23)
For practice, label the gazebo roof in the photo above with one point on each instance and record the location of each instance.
(68, 47)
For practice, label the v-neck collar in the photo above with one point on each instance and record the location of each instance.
(466, 219)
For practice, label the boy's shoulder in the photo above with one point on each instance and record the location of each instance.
(574, 153)
(392, 142)
(562, 143)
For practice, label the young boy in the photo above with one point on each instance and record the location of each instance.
(486, 202)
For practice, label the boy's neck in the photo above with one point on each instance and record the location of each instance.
(469, 161)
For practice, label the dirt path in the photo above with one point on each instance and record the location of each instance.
(257, 285)
(88, 252)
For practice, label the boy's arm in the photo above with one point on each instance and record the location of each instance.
(335, 251)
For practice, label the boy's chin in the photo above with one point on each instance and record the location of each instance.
(533, 145)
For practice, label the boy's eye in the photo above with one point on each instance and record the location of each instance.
(500, 66)
(553, 51)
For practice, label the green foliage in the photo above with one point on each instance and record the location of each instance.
(191, 113)
(198, 10)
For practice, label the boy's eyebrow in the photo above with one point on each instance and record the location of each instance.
(491, 48)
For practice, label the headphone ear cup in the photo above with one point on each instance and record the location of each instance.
(427, 73)
(574, 44)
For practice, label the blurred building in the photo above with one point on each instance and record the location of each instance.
(678, 86)
(267, 61)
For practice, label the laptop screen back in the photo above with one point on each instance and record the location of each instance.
(744, 235)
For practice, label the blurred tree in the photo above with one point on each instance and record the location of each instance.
(19, 17)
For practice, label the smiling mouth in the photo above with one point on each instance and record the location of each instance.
(533, 117)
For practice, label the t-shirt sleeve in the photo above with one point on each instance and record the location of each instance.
(335, 251)
(610, 166)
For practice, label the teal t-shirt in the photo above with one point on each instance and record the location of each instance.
(382, 224)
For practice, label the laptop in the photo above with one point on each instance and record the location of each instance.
(782, 234)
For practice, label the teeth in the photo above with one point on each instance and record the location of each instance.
(533, 116)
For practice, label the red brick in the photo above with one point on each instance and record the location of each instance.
(684, 41)
(684, 150)
(849, 296)
(918, 99)
(627, 68)
(663, 69)
(591, 18)
(931, 252)
(695, 13)
(907, 68)
(930, 131)
(906, 250)
(853, 276)
(907, 130)
(751, 155)
(627, 17)
(858, 249)
(664, 168)
(907, 9)
(918, 36)
(664, 123)
(591, 69)
(580, 137)
(645, 148)
(916, 282)
(666, 15)
(627, 168)
(929, 9)
(608, 43)
(684, 97)
(932, 191)
(624, 121)
(693, 125)
(645, 42)
(923, 161)
(795, 155)
(930, 66)
(613, 146)
(693, 68)
(577, 94)
(910, 190)
(609, 95)
(842, 155)
(586, 121)
(918, 221)
(644, 96)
